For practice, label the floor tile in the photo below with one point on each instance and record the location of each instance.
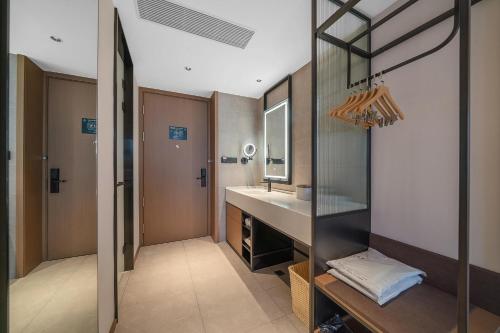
(159, 312)
(282, 297)
(282, 325)
(57, 296)
(199, 286)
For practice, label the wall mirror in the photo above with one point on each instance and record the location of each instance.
(52, 174)
(277, 142)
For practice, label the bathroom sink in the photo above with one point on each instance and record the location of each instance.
(253, 190)
(281, 210)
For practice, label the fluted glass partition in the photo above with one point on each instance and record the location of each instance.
(342, 149)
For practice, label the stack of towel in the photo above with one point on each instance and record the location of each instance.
(248, 222)
(375, 275)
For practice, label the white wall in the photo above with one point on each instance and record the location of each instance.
(105, 262)
(415, 163)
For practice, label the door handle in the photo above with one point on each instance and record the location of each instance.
(203, 177)
(55, 180)
(120, 184)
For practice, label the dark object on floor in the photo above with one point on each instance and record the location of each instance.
(334, 325)
(279, 272)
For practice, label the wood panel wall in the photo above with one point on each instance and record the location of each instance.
(442, 271)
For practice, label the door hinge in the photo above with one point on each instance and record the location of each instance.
(142, 201)
(143, 109)
(123, 106)
(124, 248)
(143, 228)
(123, 84)
(142, 136)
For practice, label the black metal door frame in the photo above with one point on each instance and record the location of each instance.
(122, 51)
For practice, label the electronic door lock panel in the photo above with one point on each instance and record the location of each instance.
(203, 177)
(55, 180)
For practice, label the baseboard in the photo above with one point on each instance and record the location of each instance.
(113, 326)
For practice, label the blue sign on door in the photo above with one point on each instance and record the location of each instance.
(89, 126)
(177, 133)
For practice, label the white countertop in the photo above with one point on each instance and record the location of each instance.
(281, 210)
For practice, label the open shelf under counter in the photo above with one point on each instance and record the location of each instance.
(422, 308)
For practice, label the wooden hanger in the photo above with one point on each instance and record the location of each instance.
(363, 109)
(333, 111)
(392, 103)
(357, 108)
(389, 113)
(386, 116)
(352, 100)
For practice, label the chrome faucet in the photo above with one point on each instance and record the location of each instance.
(268, 181)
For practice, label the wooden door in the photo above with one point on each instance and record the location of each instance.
(29, 151)
(72, 213)
(175, 200)
(234, 232)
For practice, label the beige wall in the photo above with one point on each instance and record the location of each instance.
(105, 262)
(301, 125)
(241, 120)
(415, 163)
(239, 123)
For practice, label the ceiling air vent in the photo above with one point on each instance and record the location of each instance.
(179, 17)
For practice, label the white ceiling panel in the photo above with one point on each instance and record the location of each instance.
(281, 45)
(32, 22)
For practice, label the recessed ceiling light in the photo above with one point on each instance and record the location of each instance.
(188, 68)
(259, 80)
(56, 39)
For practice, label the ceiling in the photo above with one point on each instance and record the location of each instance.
(32, 22)
(280, 45)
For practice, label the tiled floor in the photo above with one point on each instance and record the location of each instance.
(199, 286)
(59, 296)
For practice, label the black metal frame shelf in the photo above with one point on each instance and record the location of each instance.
(322, 227)
(352, 49)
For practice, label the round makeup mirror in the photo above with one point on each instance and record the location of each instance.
(249, 150)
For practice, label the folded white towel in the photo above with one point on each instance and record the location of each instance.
(375, 275)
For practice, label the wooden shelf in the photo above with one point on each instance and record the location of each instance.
(422, 308)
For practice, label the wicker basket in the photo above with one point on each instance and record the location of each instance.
(299, 283)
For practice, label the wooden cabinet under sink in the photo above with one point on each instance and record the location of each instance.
(233, 227)
(258, 244)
